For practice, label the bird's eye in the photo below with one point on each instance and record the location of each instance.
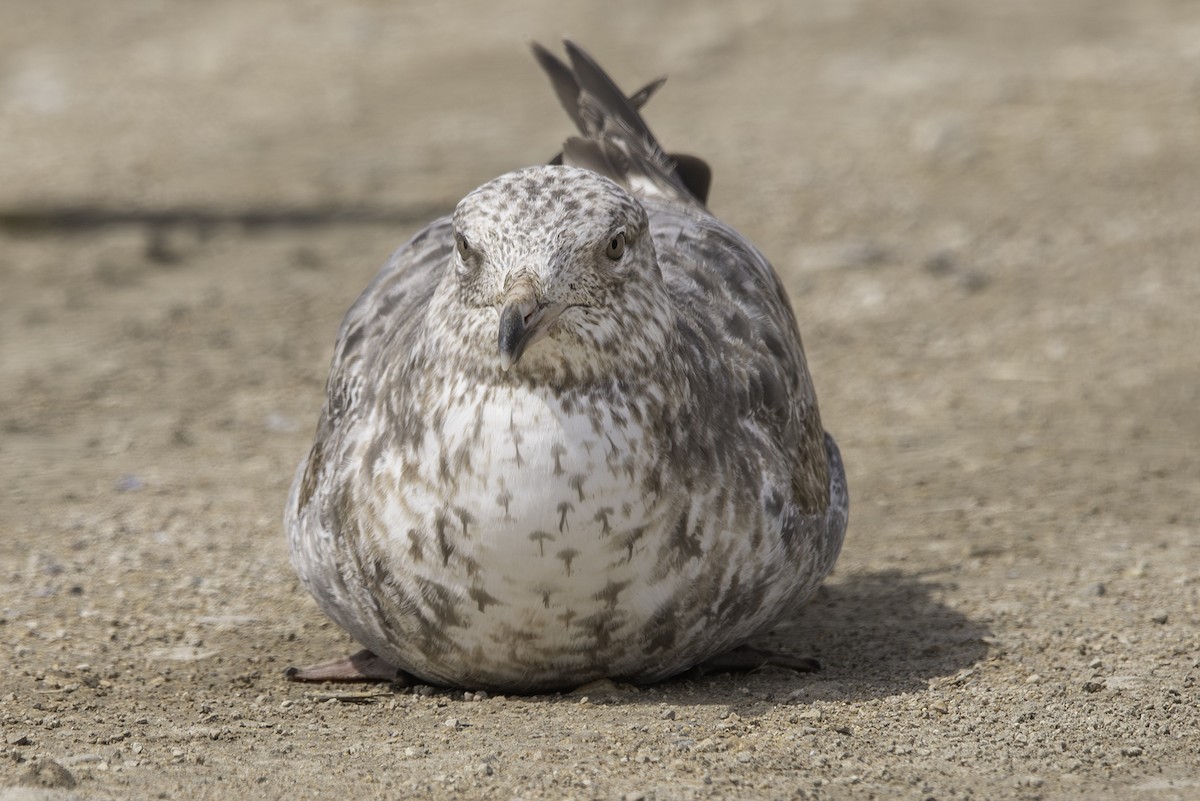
(616, 246)
(464, 248)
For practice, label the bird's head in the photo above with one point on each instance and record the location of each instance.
(553, 265)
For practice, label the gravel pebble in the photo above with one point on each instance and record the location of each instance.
(47, 773)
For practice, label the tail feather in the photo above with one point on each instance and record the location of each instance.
(643, 95)
(563, 81)
(601, 102)
(562, 78)
(616, 141)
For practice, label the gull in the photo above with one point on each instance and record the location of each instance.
(569, 432)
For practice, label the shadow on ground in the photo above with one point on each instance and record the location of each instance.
(884, 633)
(876, 634)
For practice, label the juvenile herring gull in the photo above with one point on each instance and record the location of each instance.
(569, 432)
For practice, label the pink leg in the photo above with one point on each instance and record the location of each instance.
(362, 666)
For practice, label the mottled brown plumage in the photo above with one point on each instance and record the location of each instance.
(569, 431)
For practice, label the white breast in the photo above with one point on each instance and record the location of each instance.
(535, 517)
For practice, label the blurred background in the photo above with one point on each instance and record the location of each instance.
(967, 190)
(870, 106)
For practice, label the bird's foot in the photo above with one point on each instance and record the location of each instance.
(362, 666)
(746, 657)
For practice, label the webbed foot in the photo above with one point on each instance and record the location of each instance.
(746, 657)
(362, 666)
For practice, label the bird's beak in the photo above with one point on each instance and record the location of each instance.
(523, 321)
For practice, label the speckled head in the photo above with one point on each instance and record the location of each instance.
(551, 253)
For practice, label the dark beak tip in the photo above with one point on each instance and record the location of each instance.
(512, 330)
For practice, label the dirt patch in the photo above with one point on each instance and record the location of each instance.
(986, 214)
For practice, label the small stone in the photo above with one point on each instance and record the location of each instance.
(1124, 683)
(668, 714)
(744, 757)
(635, 795)
(1093, 686)
(1131, 751)
(47, 773)
(1159, 617)
(81, 759)
(19, 739)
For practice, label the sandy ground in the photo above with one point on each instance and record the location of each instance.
(988, 215)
